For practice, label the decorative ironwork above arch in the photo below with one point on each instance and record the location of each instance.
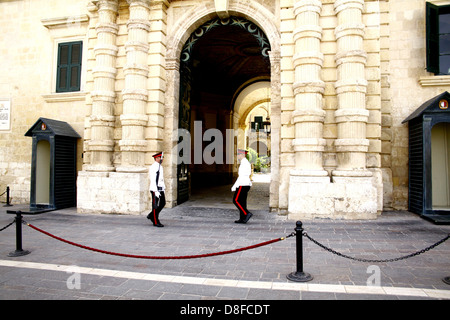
(232, 21)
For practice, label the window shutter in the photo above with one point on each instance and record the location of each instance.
(63, 66)
(69, 67)
(75, 65)
(432, 21)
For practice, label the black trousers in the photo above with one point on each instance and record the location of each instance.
(157, 205)
(240, 200)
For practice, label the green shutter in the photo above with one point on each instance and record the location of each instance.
(432, 20)
(68, 77)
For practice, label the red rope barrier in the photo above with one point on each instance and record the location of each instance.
(156, 257)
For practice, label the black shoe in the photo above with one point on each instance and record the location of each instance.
(247, 217)
(158, 224)
(150, 217)
(239, 221)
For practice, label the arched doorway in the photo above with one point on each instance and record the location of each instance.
(252, 116)
(217, 60)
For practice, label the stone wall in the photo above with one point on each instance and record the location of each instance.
(409, 83)
(28, 50)
(345, 74)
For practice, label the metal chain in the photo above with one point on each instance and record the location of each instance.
(336, 252)
(8, 225)
(290, 235)
(376, 260)
(4, 202)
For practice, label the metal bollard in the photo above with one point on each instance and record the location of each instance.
(8, 204)
(299, 275)
(19, 251)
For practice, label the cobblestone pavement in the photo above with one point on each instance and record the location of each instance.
(57, 270)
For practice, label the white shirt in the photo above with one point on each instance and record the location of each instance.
(245, 170)
(153, 170)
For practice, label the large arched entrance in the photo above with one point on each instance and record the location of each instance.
(219, 60)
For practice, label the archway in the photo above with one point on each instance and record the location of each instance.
(219, 59)
(252, 116)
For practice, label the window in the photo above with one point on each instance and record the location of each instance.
(69, 66)
(438, 39)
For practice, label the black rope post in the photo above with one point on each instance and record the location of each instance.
(19, 251)
(299, 275)
(8, 204)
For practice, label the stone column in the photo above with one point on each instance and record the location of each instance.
(103, 95)
(351, 86)
(123, 189)
(308, 181)
(135, 95)
(354, 186)
(275, 120)
(171, 110)
(157, 138)
(308, 87)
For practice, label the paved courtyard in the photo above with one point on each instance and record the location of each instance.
(57, 270)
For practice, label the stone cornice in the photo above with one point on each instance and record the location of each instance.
(434, 81)
(60, 22)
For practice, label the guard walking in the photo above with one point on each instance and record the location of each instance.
(242, 186)
(157, 188)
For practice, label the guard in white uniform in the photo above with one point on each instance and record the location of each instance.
(157, 188)
(242, 186)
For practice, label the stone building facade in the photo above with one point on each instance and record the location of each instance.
(342, 76)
